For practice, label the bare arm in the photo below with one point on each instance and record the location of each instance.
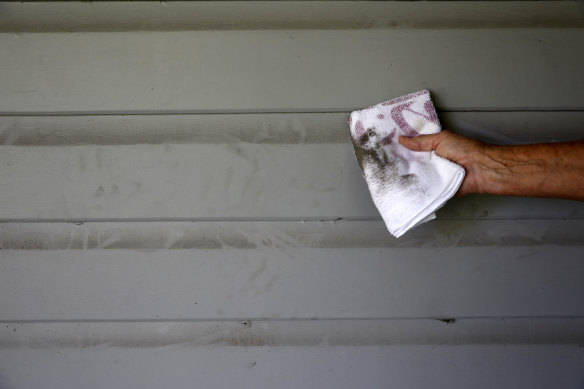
(540, 170)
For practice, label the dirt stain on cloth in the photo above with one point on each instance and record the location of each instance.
(373, 158)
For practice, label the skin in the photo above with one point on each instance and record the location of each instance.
(537, 170)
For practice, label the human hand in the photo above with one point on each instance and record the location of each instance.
(468, 153)
(541, 170)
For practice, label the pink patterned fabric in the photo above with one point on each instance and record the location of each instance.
(414, 106)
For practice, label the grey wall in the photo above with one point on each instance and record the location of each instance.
(180, 205)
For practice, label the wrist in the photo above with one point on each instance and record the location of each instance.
(514, 171)
(494, 170)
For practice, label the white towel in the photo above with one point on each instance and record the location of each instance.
(406, 186)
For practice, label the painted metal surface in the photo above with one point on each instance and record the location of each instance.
(290, 70)
(180, 205)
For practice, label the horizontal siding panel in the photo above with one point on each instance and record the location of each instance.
(275, 333)
(202, 181)
(285, 283)
(114, 16)
(279, 128)
(258, 235)
(290, 70)
(478, 367)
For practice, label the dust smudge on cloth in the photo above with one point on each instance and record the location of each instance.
(373, 158)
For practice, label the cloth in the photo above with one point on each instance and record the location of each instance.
(407, 187)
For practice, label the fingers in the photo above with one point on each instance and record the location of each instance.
(422, 142)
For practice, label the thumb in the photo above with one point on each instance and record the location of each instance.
(420, 142)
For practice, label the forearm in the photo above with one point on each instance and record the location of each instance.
(542, 170)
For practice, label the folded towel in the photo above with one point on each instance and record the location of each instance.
(406, 186)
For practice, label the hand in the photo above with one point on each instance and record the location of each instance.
(464, 151)
(542, 170)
